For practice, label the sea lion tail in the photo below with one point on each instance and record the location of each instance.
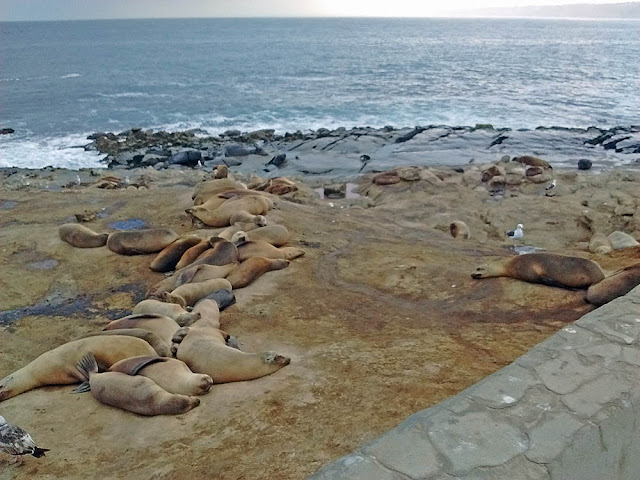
(86, 366)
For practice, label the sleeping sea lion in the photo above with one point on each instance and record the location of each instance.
(252, 268)
(191, 274)
(193, 253)
(81, 236)
(276, 235)
(205, 190)
(459, 229)
(618, 284)
(58, 366)
(162, 348)
(137, 394)
(220, 216)
(163, 327)
(170, 255)
(190, 293)
(546, 268)
(258, 221)
(138, 242)
(260, 248)
(171, 310)
(224, 298)
(222, 252)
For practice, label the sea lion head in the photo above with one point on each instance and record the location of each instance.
(239, 238)
(480, 272)
(204, 384)
(260, 220)
(272, 358)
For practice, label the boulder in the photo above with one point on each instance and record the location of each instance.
(188, 158)
(278, 160)
(409, 174)
(235, 150)
(620, 240)
(337, 190)
(584, 164)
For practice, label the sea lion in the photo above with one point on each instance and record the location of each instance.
(258, 221)
(135, 394)
(600, 244)
(386, 178)
(218, 199)
(224, 298)
(203, 348)
(459, 229)
(209, 311)
(220, 216)
(137, 242)
(58, 366)
(546, 268)
(276, 235)
(221, 171)
(169, 373)
(81, 236)
(171, 310)
(162, 348)
(191, 274)
(222, 252)
(260, 248)
(205, 190)
(618, 284)
(252, 268)
(190, 293)
(170, 255)
(193, 253)
(163, 327)
(533, 161)
(280, 186)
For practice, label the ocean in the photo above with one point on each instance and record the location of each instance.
(60, 81)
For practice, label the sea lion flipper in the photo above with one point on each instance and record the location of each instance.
(87, 365)
(84, 387)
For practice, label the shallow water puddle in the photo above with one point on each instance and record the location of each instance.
(130, 224)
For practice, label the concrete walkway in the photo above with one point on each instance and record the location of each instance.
(568, 409)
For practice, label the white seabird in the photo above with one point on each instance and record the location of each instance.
(15, 441)
(551, 185)
(517, 233)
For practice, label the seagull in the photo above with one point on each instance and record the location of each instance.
(551, 185)
(15, 441)
(517, 233)
(78, 180)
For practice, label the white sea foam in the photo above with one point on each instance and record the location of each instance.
(71, 75)
(54, 151)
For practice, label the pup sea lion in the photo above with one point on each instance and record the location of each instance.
(222, 252)
(58, 366)
(169, 373)
(171, 310)
(191, 274)
(205, 190)
(618, 284)
(203, 348)
(135, 394)
(220, 216)
(162, 348)
(193, 253)
(599, 243)
(81, 236)
(163, 327)
(276, 235)
(137, 242)
(252, 268)
(190, 293)
(258, 221)
(533, 161)
(260, 248)
(170, 255)
(221, 171)
(459, 229)
(546, 268)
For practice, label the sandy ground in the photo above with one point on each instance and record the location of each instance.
(380, 318)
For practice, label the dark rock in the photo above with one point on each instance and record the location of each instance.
(611, 144)
(278, 160)
(235, 150)
(483, 126)
(94, 136)
(584, 164)
(491, 172)
(533, 171)
(600, 138)
(323, 132)
(410, 135)
(188, 158)
(161, 152)
(498, 140)
(232, 133)
(6, 131)
(338, 190)
(458, 170)
(151, 159)
(232, 162)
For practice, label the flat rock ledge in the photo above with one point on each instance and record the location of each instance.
(567, 409)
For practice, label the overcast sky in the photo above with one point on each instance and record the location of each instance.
(94, 9)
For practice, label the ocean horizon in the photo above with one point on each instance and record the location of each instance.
(63, 80)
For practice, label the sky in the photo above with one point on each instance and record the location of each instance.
(99, 9)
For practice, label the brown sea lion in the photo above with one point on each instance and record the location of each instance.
(58, 366)
(244, 217)
(224, 298)
(81, 236)
(257, 222)
(171, 310)
(386, 178)
(190, 293)
(169, 373)
(218, 199)
(205, 190)
(618, 284)
(220, 216)
(260, 248)
(459, 229)
(546, 268)
(222, 252)
(280, 186)
(252, 268)
(599, 243)
(221, 171)
(533, 161)
(193, 253)
(138, 242)
(170, 255)
(163, 327)
(162, 348)
(191, 274)
(276, 235)
(203, 348)
(135, 394)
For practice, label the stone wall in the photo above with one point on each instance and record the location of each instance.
(566, 410)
